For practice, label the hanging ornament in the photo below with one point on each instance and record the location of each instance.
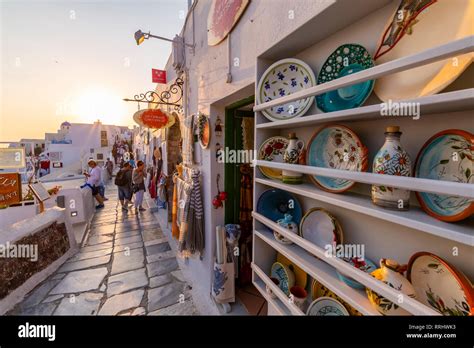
(221, 196)
(218, 127)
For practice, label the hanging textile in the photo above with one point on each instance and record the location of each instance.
(245, 220)
(174, 209)
(161, 194)
(188, 141)
(195, 235)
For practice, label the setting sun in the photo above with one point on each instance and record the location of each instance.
(97, 103)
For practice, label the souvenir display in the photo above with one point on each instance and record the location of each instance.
(218, 127)
(292, 155)
(269, 290)
(363, 264)
(298, 294)
(448, 156)
(440, 285)
(391, 159)
(326, 306)
(301, 277)
(410, 30)
(391, 273)
(336, 147)
(285, 276)
(345, 60)
(319, 290)
(204, 130)
(321, 228)
(272, 150)
(275, 203)
(283, 78)
(287, 223)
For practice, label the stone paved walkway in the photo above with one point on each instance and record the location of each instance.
(126, 267)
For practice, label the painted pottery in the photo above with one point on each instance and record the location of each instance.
(285, 276)
(287, 223)
(363, 264)
(204, 130)
(272, 150)
(301, 278)
(336, 147)
(285, 77)
(448, 156)
(391, 159)
(440, 285)
(269, 290)
(391, 273)
(319, 290)
(275, 203)
(292, 155)
(414, 28)
(324, 306)
(222, 17)
(299, 295)
(321, 228)
(345, 60)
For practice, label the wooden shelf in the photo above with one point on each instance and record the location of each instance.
(413, 184)
(275, 302)
(451, 49)
(322, 269)
(415, 218)
(435, 104)
(283, 300)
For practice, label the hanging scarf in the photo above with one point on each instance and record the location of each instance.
(195, 235)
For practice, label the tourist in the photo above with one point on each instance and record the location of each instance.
(110, 168)
(138, 179)
(123, 180)
(132, 161)
(93, 182)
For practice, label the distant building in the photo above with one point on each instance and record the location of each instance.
(30, 145)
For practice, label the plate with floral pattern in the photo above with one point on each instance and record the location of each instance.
(336, 147)
(346, 60)
(272, 150)
(324, 306)
(440, 286)
(363, 264)
(283, 78)
(448, 156)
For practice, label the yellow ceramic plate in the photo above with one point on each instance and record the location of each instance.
(301, 278)
(319, 290)
(440, 23)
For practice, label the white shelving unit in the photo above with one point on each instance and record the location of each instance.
(385, 233)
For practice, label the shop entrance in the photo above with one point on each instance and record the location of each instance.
(239, 138)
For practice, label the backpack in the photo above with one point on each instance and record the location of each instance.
(120, 179)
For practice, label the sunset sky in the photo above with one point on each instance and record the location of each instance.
(75, 60)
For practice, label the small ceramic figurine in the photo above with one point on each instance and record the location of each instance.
(392, 159)
(288, 223)
(391, 273)
(292, 155)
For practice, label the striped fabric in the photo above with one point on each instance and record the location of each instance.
(195, 236)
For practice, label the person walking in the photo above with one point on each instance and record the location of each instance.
(93, 182)
(123, 180)
(110, 168)
(138, 179)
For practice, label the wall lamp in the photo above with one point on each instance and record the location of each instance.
(141, 36)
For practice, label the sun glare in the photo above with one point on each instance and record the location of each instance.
(100, 104)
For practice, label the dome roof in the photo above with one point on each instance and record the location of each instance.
(65, 124)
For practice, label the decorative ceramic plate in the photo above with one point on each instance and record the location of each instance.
(275, 203)
(448, 156)
(284, 275)
(318, 290)
(283, 78)
(364, 265)
(327, 306)
(336, 147)
(320, 228)
(223, 16)
(345, 60)
(301, 278)
(204, 130)
(272, 150)
(439, 285)
(454, 23)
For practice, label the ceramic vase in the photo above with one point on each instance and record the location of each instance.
(392, 159)
(288, 223)
(391, 273)
(299, 296)
(292, 155)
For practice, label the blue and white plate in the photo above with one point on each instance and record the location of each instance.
(283, 78)
(345, 60)
(275, 203)
(327, 306)
(285, 275)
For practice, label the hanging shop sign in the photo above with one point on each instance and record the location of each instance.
(12, 158)
(223, 16)
(10, 188)
(158, 76)
(154, 118)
